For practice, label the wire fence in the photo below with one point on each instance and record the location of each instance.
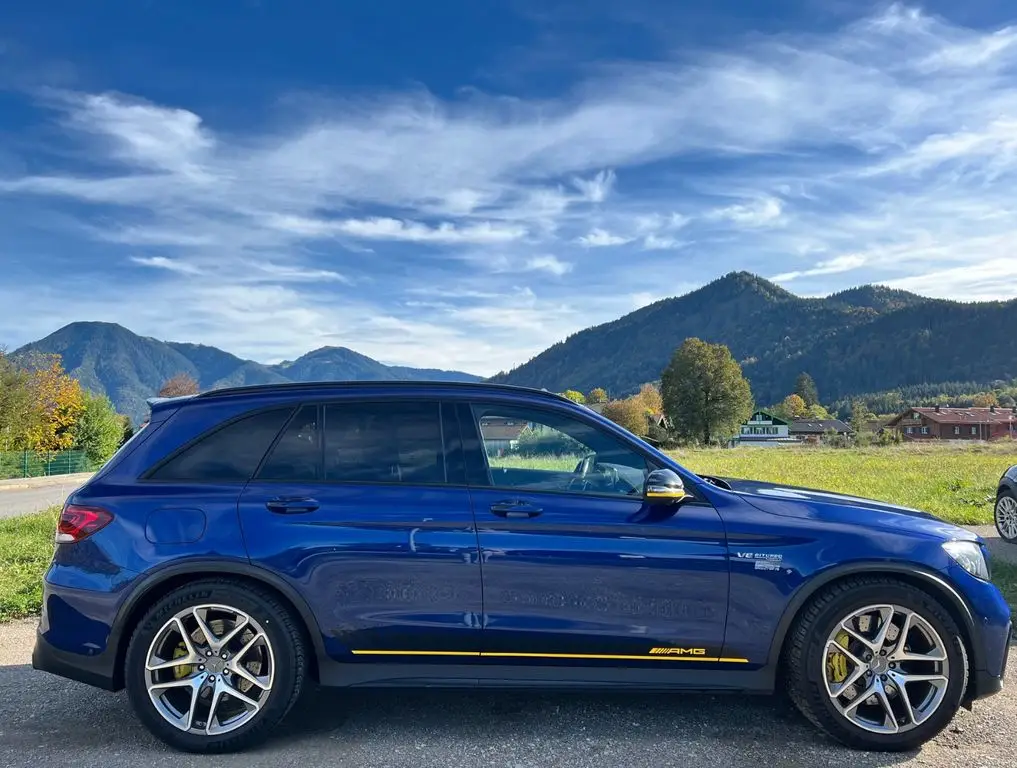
(14, 464)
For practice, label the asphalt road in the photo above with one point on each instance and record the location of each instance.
(46, 721)
(40, 493)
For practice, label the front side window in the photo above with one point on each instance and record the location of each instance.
(547, 451)
(228, 454)
(384, 442)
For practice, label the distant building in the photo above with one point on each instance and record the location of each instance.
(817, 429)
(941, 423)
(763, 429)
(501, 434)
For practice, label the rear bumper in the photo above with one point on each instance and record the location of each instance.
(92, 670)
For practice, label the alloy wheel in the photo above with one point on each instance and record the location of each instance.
(1006, 517)
(209, 670)
(886, 669)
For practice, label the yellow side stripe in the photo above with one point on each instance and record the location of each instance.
(610, 657)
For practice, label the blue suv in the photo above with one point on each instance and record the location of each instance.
(250, 541)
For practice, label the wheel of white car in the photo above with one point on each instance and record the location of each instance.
(1006, 516)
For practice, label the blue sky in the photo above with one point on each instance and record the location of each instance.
(461, 184)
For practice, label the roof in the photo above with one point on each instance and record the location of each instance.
(817, 426)
(776, 420)
(961, 415)
(501, 431)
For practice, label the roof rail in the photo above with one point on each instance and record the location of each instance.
(299, 386)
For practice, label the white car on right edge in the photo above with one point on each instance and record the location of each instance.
(1006, 506)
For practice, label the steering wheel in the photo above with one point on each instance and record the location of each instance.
(581, 473)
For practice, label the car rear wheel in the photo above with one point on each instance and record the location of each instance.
(214, 666)
(877, 664)
(1006, 516)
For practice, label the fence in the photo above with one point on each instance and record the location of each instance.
(35, 464)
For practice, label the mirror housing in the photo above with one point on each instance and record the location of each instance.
(664, 486)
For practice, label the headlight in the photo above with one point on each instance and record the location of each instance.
(969, 557)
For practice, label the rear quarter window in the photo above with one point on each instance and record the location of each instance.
(229, 453)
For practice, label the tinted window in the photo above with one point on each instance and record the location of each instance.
(297, 455)
(384, 442)
(232, 452)
(545, 451)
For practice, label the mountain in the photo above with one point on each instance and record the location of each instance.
(109, 359)
(861, 340)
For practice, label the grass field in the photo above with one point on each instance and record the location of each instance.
(26, 547)
(957, 484)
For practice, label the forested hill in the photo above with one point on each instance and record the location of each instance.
(861, 340)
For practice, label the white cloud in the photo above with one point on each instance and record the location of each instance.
(661, 243)
(831, 267)
(759, 213)
(600, 238)
(383, 228)
(550, 264)
(171, 265)
(598, 188)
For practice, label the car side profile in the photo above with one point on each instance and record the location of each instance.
(250, 542)
(1005, 515)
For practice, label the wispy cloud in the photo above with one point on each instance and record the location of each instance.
(880, 151)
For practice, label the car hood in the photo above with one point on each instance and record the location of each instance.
(792, 501)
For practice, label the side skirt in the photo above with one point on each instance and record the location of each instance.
(386, 675)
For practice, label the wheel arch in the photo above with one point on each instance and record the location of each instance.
(165, 580)
(915, 575)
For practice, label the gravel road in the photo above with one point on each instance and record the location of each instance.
(46, 721)
(35, 494)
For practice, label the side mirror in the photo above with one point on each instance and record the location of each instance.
(664, 486)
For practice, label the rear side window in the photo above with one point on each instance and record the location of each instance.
(297, 455)
(384, 442)
(229, 453)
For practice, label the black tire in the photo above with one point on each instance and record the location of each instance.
(288, 647)
(804, 655)
(1004, 494)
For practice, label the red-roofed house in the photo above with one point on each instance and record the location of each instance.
(942, 423)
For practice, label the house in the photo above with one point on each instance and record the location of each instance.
(812, 430)
(942, 423)
(500, 434)
(764, 429)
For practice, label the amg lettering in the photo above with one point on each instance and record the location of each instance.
(678, 651)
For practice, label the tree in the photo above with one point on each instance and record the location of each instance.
(704, 392)
(575, 396)
(597, 395)
(178, 386)
(650, 397)
(818, 412)
(985, 400)
(1007, 401)
(794, 407)
(860, 417)
(628, 413)
(99, 430)
(17, 405)
(58, 401)
(805, 388)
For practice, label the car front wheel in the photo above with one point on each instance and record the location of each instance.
(214, 666)
(877, 664)
(1006, 517)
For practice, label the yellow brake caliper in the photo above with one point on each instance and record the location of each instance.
(836, 663)
(185, 670)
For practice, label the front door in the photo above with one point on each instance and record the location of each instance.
(361, 505)
(575, 565)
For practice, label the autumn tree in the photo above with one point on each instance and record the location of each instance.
(99, 430)
(704, 392)
(58, 401)
(17, 405)
(629, 413)
(794, 407)
(650, 398)
(575, 396)
(985, 400)
(178, 386)
(805, 388)
(597, 395)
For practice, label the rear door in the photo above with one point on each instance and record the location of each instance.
(577, 569)
(362, 505)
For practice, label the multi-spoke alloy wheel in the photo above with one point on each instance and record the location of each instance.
(877, 663)
(886, 668)
(210, 669)
(213, 666)
(1006, 517)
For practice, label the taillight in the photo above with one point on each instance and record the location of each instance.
(77, 523)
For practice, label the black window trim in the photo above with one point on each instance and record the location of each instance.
(146, 476)
(474, 428)
(322, 403)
